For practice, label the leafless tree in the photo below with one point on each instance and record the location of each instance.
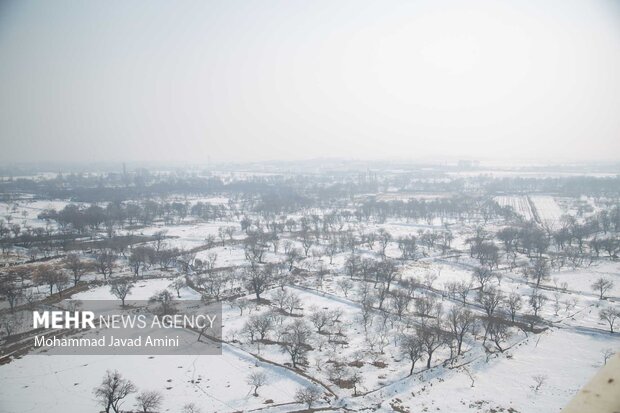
(258, 325)
(538, 271)
(408, 247)
(10, 291)
(384, 239)
(139, 258)
(149, 401)
(602, 285)
(514, 304)
(412, 348)
(308, 395)
(105, 262)
(292, 257)
(320, 319)
(307, 240)
(431, 338)
(292, 302)
(490, 299)
(537, 301)
(498, 332)
(482, 275)
(610, 315)
(257, 279)
(463, 288)
(120, 288)
(345, 286)
(460, 321)
(213, 283)
(400, 301)
(295, 339)
(607, 353)
(112, 390)
(428, 308)
(77, 267)
(166, 301)
(241, 303)
(539, 380)
(177, 284)
(190, 408)
(49, 275)
(257, 379)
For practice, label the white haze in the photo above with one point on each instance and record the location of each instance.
(258, 80)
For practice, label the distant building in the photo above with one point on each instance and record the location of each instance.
(468, 164)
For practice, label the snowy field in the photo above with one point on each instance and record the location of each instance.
(519, 205)
(548, 210)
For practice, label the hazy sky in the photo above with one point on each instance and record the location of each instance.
(256, 80)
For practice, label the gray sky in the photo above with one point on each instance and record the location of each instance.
(257, 80)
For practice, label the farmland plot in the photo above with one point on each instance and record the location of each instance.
(519, 204)
(547, 210)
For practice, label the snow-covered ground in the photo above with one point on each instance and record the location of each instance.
(518, 203)
(566, 354)
(549, 212)
(215, 383)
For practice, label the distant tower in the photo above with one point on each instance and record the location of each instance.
(125, 180)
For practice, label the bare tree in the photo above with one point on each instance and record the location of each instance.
(412, 348)
(258, 279)
(602, 285)
(539, 380)
(48, 275)
(139, 258)
(241, 303)
(345, 286)
(120, 288)
(460, 321)
(257, 379)
(258, 325)
(607, 353)
(321, 319)
(308, 395)
(462, 289)
(105, 262)
(428, 308)
(292, 302)
(538, 271)
(112, 390)
(213, 283)
(190, 408)
(482, 275)
(490, 299)
(10, 323)
(384, 238)
(10, 291)
(77, 267)
(537, 300)
(149, 401)
(498, 332)
(400, 301)
(431, 338)
(610, 315)
(177, 284)
(292, 257)
(408, 247)
(295, 338)
(166, 301)
(306, 240)
(514, 304)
